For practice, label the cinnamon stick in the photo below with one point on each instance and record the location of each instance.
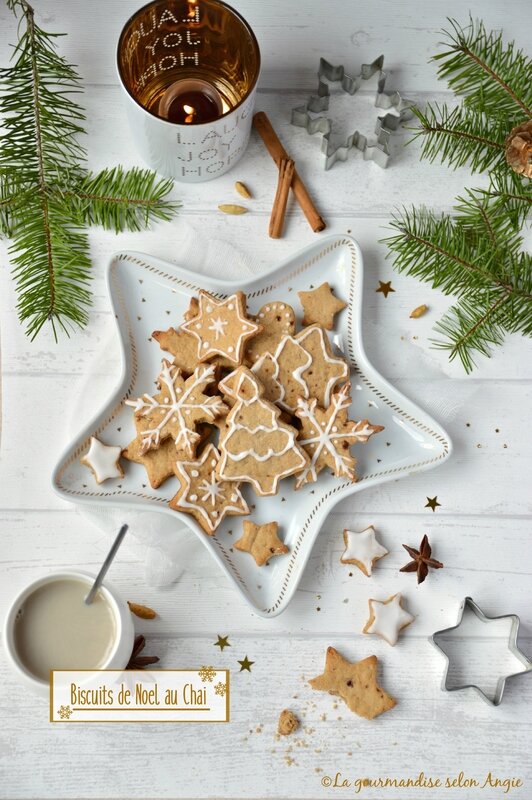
(264, 128)
(286, 174)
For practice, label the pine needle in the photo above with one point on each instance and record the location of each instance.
(47, 196)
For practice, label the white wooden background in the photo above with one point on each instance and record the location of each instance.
(481, 532)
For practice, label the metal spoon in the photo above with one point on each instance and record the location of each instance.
(106, 564)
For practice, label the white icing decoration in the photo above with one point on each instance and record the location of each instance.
(223, 339)
(244, 410)
(218, 326)
(363, 547)
(389, 618)
(213, 491)
(102, 459)
(174, 406)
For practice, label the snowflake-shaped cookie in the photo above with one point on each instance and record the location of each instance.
(327, 434)
(204, 495)
(221, 327)
(177, 408)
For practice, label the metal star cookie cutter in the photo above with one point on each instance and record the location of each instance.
(387, 124)
(469, 603)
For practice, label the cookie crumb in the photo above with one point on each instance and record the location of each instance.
(288, 723)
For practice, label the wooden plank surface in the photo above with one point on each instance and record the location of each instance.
(481, 531)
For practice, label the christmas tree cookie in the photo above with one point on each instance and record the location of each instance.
(256, 445)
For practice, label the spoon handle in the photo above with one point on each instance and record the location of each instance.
(106, 564)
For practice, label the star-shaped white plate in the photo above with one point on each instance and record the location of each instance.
(142, 289)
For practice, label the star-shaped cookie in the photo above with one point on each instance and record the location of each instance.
(387, 619)
(103, 460)
(277, 320)
(362, 549)
(321, 306)
(177, 409)
(205, 496)
(221, 327)
(261, 541)
(327, 434)
(356, 683)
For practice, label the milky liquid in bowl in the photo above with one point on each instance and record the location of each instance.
(55, 629)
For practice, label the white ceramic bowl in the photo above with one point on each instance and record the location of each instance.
(125, 632)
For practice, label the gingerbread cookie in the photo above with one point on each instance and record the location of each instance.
(277, 320)
(288, 723)
(221, 327)
(387, 619)
(356, 683)
(302, 366)
(103, 460)
(261, 541)
(205, 496)
(321, 306)
(178, 408)
(362, 549)
(256, 445)
(327, 434)
(159, 463)
(182, 346)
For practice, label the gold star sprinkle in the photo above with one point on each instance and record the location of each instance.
(245, 664)
(385, 288)
(432, 502)
(222, 641)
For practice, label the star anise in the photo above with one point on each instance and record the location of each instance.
(421, 560)
(137, 661)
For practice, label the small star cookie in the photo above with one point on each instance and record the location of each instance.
(178, 408)
(362, 549)
(159, 463)
(221, 327)
(103, 460)
(356, 683)
(261, 541)
(321, 306)
(327, 434)
(387, 619)
(205, 496)
(277, 320)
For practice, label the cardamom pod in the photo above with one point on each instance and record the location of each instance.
(243, 190)
(419, 311)
(231, 208)
(144, 612)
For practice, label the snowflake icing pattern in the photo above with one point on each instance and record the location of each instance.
(181, 403)
(220, 689)
(65, 712)
(207, 674)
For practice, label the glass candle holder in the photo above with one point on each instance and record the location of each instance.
(189, 71)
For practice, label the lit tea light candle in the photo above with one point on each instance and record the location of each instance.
(191, 101)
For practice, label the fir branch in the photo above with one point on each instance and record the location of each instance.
(495, 77)
(46, 194)
(459, 136)
(116, 199)
(510, 196)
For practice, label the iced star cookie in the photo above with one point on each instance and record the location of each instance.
(256, 445)
(362, 549)
(178, 408)
(221, 327)
(387, 619)
(321, 306)
(261, 541)
(356, 683)
(327, 434)
(103, 460)
(204, 495)
(277, 320)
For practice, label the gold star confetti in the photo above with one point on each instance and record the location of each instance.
(222, 641)
(385, 288)
(245, 664)
(432, 502)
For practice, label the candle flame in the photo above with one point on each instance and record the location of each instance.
(191, 9)
(190, 112)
